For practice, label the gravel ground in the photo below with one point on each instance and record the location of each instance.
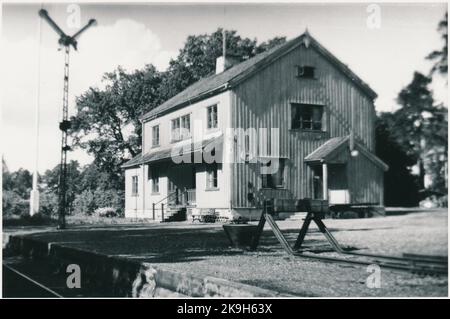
(204, 250)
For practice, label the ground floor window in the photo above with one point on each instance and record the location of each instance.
(211, 177)
(274, 179)
(155, 182)
(134, 185)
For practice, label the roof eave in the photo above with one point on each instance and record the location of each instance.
(220, 89)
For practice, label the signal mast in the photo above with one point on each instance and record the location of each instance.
(64, 41)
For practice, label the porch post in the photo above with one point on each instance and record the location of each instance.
(325, 181)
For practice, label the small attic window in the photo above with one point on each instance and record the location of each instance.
(306, 71)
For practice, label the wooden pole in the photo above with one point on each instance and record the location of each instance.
(224, 43)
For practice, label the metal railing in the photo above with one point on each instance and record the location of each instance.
(183, 198)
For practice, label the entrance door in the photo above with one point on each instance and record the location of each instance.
(181, 178)
(338, 184)
(172, 188)
(317, 182)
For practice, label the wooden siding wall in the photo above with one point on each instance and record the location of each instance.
(263, 101)
(365, 180)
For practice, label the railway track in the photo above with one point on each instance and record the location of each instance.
(20, 285)
(24, 278)
(415, 263)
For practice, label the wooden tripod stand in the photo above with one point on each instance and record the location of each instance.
(315, 209)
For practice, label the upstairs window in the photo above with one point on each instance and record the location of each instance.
(212, 116)
(181, 128)
(185, 127)
(306, 117)
(134, 185)
(305, 71)
(211, 177)
(155, 136)
(175, 134)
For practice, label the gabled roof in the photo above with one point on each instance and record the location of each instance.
(337, 144)
(321, 153)
(217, 83)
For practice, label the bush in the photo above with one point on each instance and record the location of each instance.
(84, 203)
(106, 212)
(108, 198)
(88, 202)
(48, 204)
(14, 205)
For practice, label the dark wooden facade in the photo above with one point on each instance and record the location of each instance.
(264, 101)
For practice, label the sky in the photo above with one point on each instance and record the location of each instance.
(384, 52)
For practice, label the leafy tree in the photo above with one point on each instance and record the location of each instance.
(411, 129)
(50, 182)
(401, 187)
(419, 128)
(84, 203)
(107, 121)
(19, 182)
(13, 204)
(440, 56)
(92, 178)
(48, 203)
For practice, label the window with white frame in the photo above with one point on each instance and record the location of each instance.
(155, 181)
(155, 135)
(211, 177)
(185, 126)
(134, 185)
(181, 128)
(212, 116)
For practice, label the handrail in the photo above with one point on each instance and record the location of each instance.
(167, 197)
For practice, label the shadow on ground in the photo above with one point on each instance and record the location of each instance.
(163, 244)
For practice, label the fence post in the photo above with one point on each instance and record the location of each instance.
(153, 209)
(162, 212)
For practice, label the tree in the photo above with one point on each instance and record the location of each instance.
(401, 187)
(419, 129)
(50, 183)
(411, 127)
(19, 181)
(440, 56)
(107, 121)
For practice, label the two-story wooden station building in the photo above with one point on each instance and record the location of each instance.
(321, 120)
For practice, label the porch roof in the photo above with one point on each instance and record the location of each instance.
(334, 145)
(166, 153)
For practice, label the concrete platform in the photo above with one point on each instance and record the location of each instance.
(112, 276)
